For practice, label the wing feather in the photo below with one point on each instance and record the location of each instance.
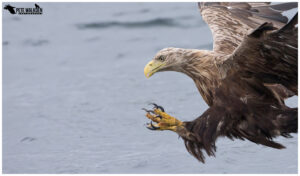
(258, 122)
(260, 66)
(231, 22)
(270, 56)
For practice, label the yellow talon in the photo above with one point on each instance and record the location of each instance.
(164, 121)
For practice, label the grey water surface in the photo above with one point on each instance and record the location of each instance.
(73, 89)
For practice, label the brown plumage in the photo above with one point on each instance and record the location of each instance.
(253, 67)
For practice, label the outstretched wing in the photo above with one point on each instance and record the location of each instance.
(268, 56)
(230, 22)
(262, 68)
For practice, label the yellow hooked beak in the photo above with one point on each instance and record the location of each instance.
(152, 67)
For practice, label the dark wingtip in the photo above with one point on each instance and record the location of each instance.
(291, 23)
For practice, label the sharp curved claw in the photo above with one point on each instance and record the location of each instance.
(152, 127)
(158, 107)
(161, 108)
(154, 104)
(145, 109)
(149, 111)
(159, 116)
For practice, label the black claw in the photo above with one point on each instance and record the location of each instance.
(159, 116)
(152, 126)
(149, 111)
(158, 107)
(145, 109)
(161, 108)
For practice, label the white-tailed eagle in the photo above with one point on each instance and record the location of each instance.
(252, 69)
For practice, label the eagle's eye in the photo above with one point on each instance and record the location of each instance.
(161, 58)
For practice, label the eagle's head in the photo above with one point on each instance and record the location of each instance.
(171, 59)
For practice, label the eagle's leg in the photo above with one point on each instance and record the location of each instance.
(163, 120)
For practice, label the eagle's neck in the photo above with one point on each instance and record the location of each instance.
(201, 66)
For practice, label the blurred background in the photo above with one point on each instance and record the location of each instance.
(73, 89)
